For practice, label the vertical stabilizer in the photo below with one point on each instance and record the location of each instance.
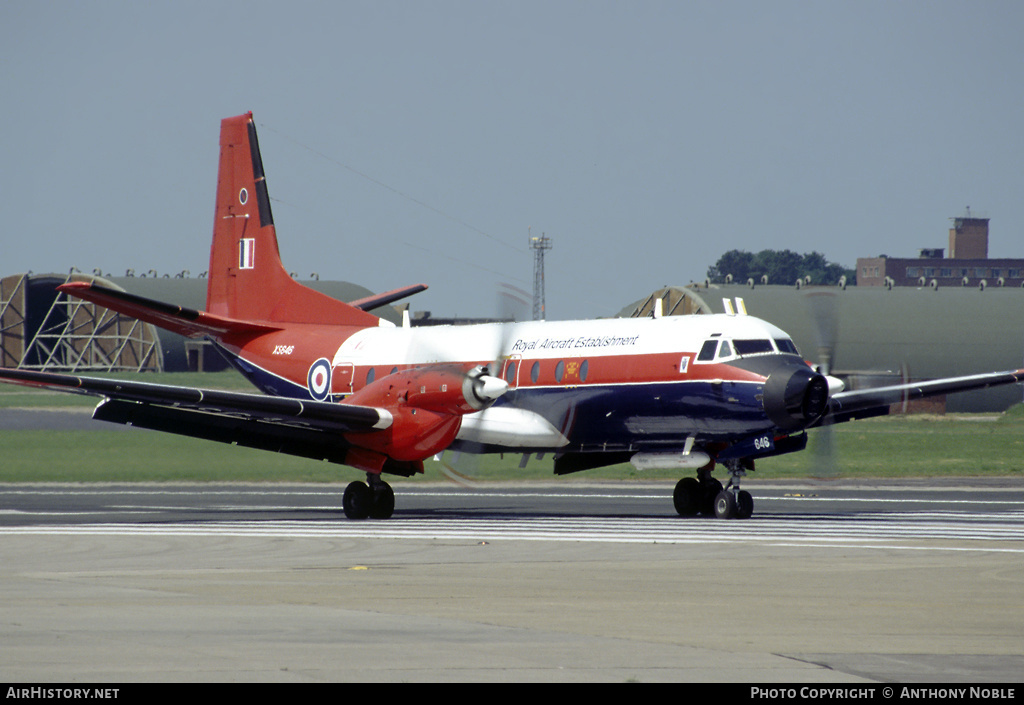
(247, 280)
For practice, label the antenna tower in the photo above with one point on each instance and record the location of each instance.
(539, 245)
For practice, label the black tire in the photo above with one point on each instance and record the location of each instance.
(687, 497)
(383, 502)
(711, 489)
(725, 505)
(744, 505)
(357, 500)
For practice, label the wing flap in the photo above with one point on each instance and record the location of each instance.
(237, 430)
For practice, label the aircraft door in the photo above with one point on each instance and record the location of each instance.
(342, 377)
(510, 372)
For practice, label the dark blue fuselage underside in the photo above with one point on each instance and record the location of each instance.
(648, 417)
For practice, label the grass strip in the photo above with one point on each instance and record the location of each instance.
(889, 447)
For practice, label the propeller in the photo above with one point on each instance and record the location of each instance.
(823, 307)
(826, 332)
(491, 381)
(459, 467)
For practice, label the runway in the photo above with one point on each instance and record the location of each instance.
(834, 582)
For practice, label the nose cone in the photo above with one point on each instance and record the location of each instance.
(481, 390)
(490, 388)
(795, 397)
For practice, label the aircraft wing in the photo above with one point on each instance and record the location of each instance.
(309, 429)
(865, 403)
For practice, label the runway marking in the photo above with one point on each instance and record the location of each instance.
(877, 532)
(968, 524)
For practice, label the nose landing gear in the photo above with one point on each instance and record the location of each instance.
(705, 495)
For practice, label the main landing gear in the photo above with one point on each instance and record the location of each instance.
(706, 496)
(374, 499)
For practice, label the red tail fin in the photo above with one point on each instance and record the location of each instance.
(247, 280)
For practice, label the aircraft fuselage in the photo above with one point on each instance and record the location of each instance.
(606, 385)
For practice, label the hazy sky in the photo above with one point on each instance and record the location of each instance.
(420, 141)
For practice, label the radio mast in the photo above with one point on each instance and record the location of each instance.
(539, 245)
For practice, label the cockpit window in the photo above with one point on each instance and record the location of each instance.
(753, 347)
(707, 351)
(786, 345)
(726, 349)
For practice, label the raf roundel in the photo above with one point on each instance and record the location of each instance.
(319, 379)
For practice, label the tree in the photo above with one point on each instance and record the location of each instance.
(780, 266)
(734, 262)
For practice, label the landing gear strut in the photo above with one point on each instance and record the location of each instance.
(373, 498)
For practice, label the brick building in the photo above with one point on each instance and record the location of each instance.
(968, 263)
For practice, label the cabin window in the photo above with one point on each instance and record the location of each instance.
(584, 368)
(370, 374)
(559, 370)
(535, 372)
(510, 373)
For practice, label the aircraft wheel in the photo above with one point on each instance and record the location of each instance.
(744, 505)
(357, 500)
(712, 488)
(687, 496)
(725, 505)
(383, 502)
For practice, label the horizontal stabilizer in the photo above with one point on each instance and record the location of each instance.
(377, 300)
(177, 319)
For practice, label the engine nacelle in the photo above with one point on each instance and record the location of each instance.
(452, 389)
(427, 405)
(795, 396)
(414, 434)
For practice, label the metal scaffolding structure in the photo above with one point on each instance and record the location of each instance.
(43, 329)
(673, 301)
(539, 245)
(12, 319)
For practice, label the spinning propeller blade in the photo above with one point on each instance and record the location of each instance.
(823, 307)
(492, 381)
